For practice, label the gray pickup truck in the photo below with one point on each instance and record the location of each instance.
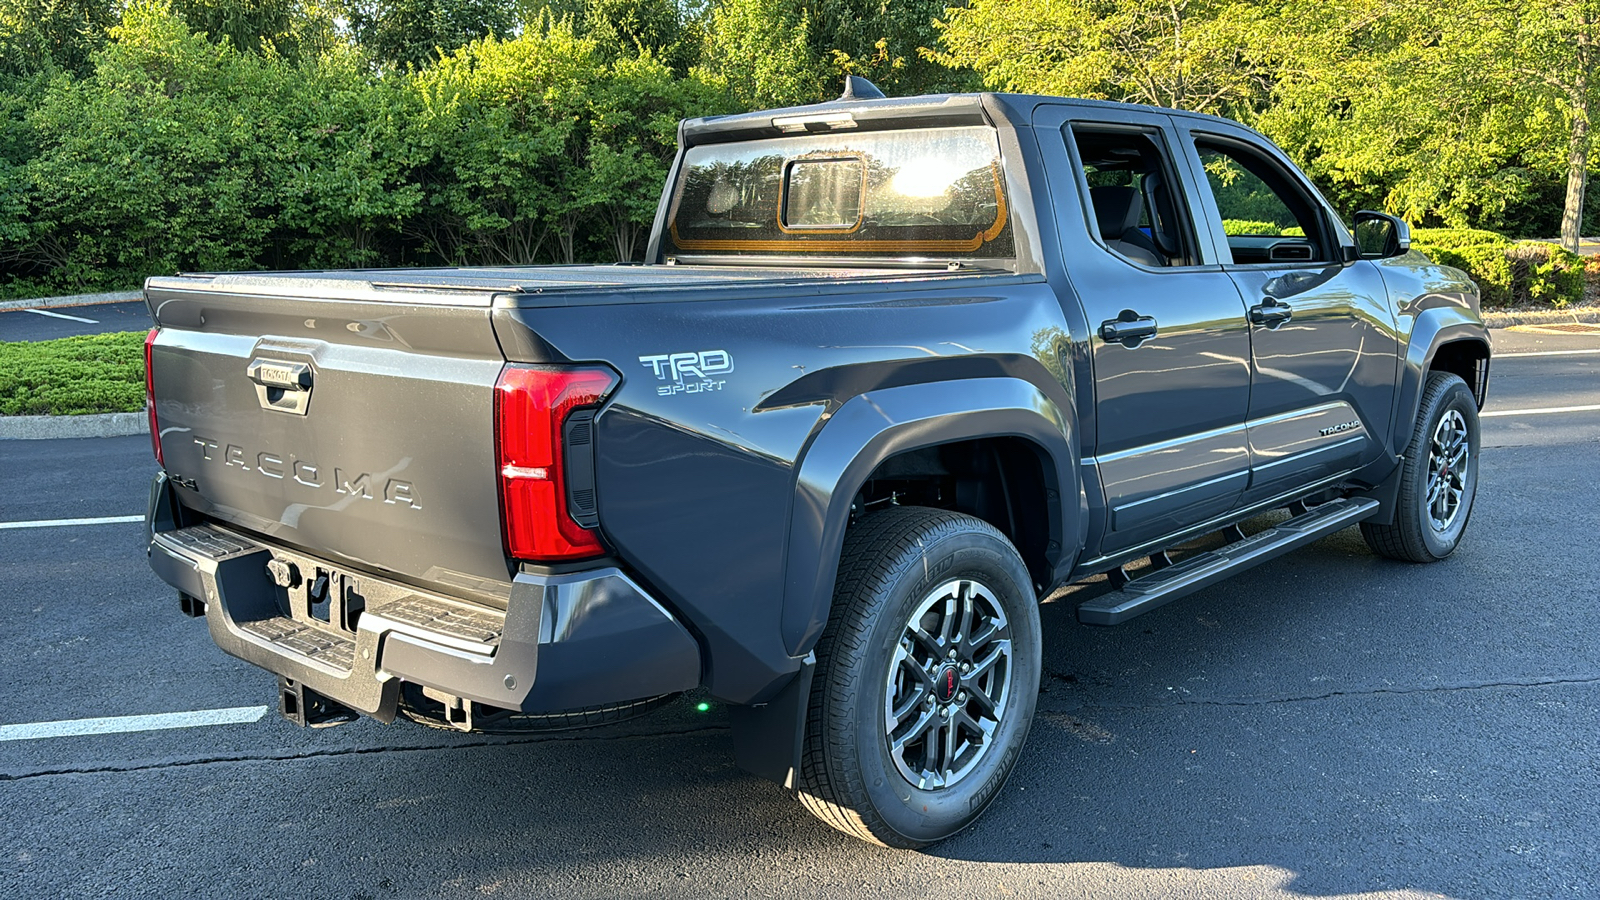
(895, 370)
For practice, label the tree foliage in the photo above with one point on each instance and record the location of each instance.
(158, 159)
(761, 53)
(41, 35)
(1463, 112)
(884, 42)
(418, 32)
(1453, 112)
(181, 151)
(289, 28)
(1201, 55)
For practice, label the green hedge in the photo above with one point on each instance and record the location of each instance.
(1456, 238)
(1260, 227)
(1510, 273)
(179, 153)
(100, 373)
(1248, 226)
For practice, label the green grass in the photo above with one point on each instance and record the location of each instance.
(99, 373)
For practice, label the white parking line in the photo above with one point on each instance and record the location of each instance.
(56, 315)
(238, 715)
(1539, 412)
(1529, 353)
(56, 523)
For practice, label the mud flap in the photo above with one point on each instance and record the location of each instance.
(767, 739)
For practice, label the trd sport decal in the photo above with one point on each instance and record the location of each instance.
(689, 373)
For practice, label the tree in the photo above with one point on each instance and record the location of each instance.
(291, 28)
(1550, 51)
(349, 181)
(499, 123)
(158, 161)
(884, 42)
(1201, 55)
(418, 32)
(760, 52)
(1455, 110)
(1466, 112)
(632, 117)
(633, 27)
(38, 35)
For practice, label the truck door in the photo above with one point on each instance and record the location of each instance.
(1169, 342)
(1323, 346)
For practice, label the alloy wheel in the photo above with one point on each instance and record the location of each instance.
(1449, 455)
(947, 684)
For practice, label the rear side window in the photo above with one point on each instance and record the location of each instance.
(934, 192)
(1135, 207)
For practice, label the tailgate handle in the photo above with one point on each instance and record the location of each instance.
(281, 386)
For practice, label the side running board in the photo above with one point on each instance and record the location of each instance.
(1160, 587)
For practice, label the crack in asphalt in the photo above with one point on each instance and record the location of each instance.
(499, 741)
(1329, 695)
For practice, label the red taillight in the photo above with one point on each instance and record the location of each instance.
(531, 403)
(150, 396)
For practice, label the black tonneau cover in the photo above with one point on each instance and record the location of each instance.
(476, 286)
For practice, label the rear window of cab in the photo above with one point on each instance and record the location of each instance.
(933, 192)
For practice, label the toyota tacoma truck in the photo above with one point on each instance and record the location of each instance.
(894, 371)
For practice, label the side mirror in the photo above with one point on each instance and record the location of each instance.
(1380, 235)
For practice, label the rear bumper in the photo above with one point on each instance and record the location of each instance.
(563, 642)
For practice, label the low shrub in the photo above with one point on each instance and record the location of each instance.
(98, 373)
(1260, 227)
(1520, 273)
(1453, 238)
(1248, 226)
(1544, 273)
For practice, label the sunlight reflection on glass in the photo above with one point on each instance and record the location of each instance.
(925, 177)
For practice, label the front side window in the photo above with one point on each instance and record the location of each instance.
(934, 192)
(1266, 218)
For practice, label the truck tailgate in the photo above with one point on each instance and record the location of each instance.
(358, 429)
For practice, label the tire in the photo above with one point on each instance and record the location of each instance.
(1438, 478)
(895, 564)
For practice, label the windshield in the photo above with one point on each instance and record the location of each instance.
(925, 193)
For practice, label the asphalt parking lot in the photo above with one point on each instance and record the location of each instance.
(1329, 724)
(46, 324)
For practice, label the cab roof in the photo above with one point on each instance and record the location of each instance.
(924, 111)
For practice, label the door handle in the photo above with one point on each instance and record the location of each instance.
(1128, 329)
(1271, 313)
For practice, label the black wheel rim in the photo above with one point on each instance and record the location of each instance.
(947, 685)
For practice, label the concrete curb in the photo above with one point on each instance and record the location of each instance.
(72, 300)
(39, 428)
(1509, 318)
